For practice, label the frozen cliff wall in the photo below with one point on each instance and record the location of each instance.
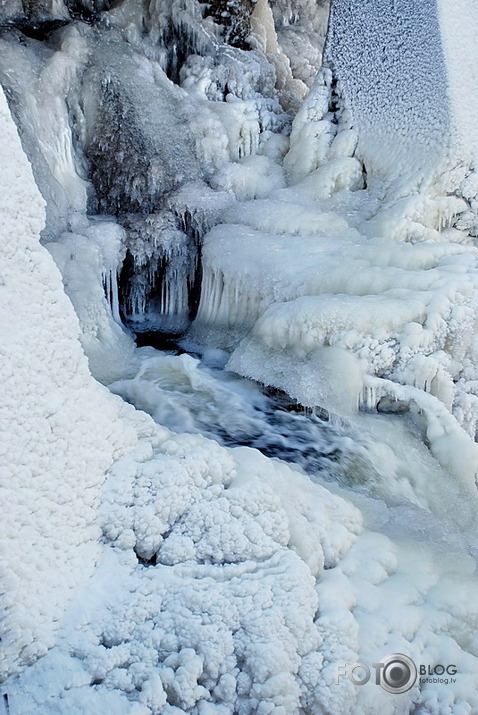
(389, 61)
(119, 106)
(459, 24)
(404, 70)
(58, 430)
(122, 109)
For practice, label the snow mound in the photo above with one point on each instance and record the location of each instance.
(231, 583)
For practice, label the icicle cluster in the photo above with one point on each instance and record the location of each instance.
(158, 273)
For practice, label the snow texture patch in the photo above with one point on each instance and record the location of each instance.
(389, 61)
(253, 585)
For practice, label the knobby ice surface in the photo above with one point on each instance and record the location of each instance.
(321, 246)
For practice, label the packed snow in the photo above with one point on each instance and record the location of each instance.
(212, 547)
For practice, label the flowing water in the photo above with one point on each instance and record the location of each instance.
(379, 462)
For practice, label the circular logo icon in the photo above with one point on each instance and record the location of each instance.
(398, 674)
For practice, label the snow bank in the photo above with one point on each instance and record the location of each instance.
(58, 426)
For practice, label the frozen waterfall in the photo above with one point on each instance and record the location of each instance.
(283, 196)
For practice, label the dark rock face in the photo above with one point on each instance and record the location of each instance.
(119, 149)
(234, 17)
(37, 8)
(90, 6)
(139, 148)
(31, 11)
(37, 15)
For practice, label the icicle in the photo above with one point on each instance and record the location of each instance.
(162, 263)
(110, 279)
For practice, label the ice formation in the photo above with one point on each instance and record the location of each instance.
(321, 247)
(364, 264)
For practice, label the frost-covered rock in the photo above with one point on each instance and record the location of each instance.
(30, 13)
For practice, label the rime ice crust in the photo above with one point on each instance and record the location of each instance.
(53, 459)
(413, 63)
(390, 63)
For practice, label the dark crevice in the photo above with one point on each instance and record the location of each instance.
(179, 46)
(37, 30)
(335, 99)
(195, 286)
(90, 10)
(146, 562)
(159, 341)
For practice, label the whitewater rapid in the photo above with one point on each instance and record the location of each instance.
(379, 462)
